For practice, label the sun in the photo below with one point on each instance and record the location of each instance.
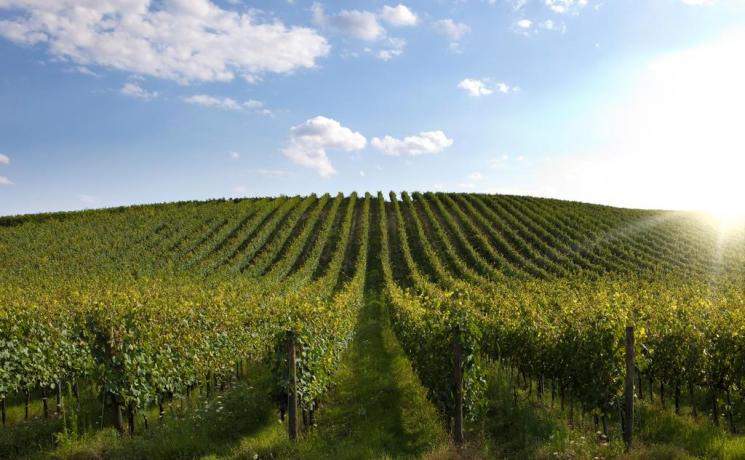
(727, 213)
(728, 220)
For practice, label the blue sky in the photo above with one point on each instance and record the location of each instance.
(624, 102)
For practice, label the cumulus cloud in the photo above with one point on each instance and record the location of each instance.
(211, 101)
(423, 143)
(394, 47)
(5, 181)
(234, 155)
(227, 103)
(528, 27)
(565, 6)
(4, 159)
(398, 15)
(484, 87)
(453, 30)
(309, 141)
(135, 90)
(475, 87)
(359, 24)
(182, 40)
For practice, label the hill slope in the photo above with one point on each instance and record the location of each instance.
(148, 303)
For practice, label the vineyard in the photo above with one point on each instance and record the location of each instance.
(148, 306)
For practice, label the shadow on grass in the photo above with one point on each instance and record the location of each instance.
(531, 430)
(377, 409)
(211, 426)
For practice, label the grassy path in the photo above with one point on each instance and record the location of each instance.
(377, 409)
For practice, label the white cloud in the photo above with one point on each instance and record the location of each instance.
(5, 181)
(475, 87)
(240, 189)
(698, 2)
(234, 155)
(86, 71)
(423, 143)
(4, 159)
(211, 101)
(253, 104)
(309, 141)
(484, 87)
(135, 90)
(359, 24)
(453, 30)
(528, 27)
(227, 103)
(549, 24)
(395, 48)
(362, 173)
(398, 15)
(505, 88)
(565, 6)
(182, 40)
(475, 176)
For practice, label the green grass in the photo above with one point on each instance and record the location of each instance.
(378, 408)
(532, 429)
(205, 426)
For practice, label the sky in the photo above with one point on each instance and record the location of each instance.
(635, 103)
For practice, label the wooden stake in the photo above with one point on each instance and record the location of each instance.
(639, 385)
(292, 391)
(59, 398)
(730, 414)
(692, 394)
(131, 419)
(458, 377)
(45, 402)
(629, 389)
(117, 414)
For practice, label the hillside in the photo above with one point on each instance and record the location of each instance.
(493, 235)
(146, 305)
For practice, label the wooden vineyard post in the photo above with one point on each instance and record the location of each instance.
(118, 419)
(3, 409)
(45, 402)
(292, 390)
(59, 398)
(628, 419)
(458, 377)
